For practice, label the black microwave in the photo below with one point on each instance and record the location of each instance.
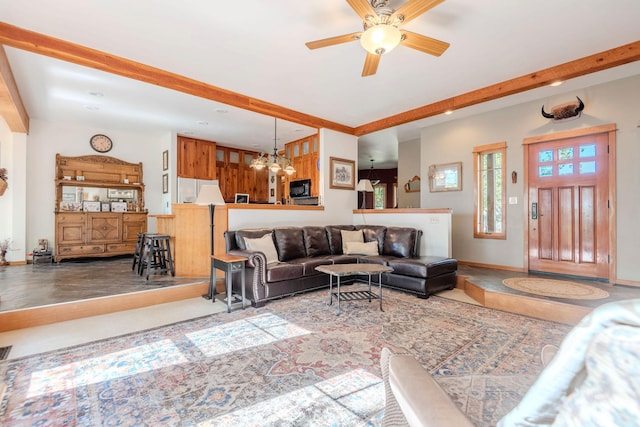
(300, 188)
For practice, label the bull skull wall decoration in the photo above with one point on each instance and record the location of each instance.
(570, 110)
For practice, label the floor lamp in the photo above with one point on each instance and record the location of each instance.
(365, 186)
(210, 195)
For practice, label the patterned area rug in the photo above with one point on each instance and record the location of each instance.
(293, 362)
(555, 288)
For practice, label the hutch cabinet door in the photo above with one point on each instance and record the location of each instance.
(104, 228)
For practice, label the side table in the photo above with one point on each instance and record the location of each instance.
(229, 264)
(42, 257)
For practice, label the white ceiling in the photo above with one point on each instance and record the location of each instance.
(256, 48)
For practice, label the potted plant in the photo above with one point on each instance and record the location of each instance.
(3, 180)
(4, 247)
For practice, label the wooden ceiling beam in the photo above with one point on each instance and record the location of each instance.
(589, 64)
(11, 106)
(59, 49)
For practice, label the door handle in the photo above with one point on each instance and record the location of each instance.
(534, 211)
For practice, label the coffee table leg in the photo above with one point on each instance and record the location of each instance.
(379, 289)
(331, 289)
(369, 287)
(338, 295)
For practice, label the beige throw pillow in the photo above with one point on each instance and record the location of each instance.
(265, 245)
(351, 236)
(357, 248)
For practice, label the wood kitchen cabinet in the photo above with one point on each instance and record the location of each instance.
(304, 155)
(95, 231)
(196, 158)
(236, 176)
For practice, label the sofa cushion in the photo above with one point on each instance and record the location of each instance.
(399, 241)
(309, 264)
(358, 248)
(373, 233)
(350, 236)
(316, 242)
(289, 243)
(423, 267)
(335, 238)
(265, 245)
(284, 271)
(251, 234)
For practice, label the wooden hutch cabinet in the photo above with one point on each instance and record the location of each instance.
(99, 206)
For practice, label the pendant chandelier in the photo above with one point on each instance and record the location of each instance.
(274, 162)
(372, 175)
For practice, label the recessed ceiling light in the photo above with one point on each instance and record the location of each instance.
(98, 94)
(554, 84)
(203, 123)
(92, 107)
(221, 111)
(185, 132)
(448, 112)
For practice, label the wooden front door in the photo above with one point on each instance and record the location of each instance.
(568, 189)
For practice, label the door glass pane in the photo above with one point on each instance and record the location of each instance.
(565, 169)
(315, 144)
(288, 152)
(588, 150)
(220, 155)
(234, 157)
(545, 171)
(247, 158)
(565, 153)
(305, 147)
(296, 150)
(545, 156)
(588, 167)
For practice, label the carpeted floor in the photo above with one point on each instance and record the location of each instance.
(291, 363)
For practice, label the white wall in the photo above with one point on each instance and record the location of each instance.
(408, 167)
(45, 139)
(13, 202)
(615, 102)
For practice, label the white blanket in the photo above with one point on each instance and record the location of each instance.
(540, 405)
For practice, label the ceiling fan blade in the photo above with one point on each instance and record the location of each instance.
(333, 40)
(414, 8)
(362, 8)
(370, 64)
(423, 43)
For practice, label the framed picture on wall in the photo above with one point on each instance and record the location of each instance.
(342, 173)
(165, 183)
(445, 177)
(165, 160)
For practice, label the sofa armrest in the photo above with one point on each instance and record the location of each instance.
(255, 259)
(420, 398)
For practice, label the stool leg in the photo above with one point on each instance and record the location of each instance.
(173, 272)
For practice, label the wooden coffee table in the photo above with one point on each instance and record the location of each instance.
(340, 270)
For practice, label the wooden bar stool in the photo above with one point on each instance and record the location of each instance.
(156, 255)
(137, 254)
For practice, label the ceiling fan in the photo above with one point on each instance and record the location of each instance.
(381, 33)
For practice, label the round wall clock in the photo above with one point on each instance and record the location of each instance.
(101, 143)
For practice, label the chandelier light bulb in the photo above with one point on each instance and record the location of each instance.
(381, 38)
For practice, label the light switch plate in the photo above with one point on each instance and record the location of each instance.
(513, 200)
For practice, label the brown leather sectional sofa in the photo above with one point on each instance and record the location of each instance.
(301, 249)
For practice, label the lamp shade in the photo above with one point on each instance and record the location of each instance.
(364, 185)
(210, 195)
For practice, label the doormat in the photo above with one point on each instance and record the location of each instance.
(4, 352)
(555, 288)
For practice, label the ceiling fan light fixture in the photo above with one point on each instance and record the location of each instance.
(381, 38)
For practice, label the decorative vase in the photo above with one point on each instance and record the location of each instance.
(3, 186)
(3, 258)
